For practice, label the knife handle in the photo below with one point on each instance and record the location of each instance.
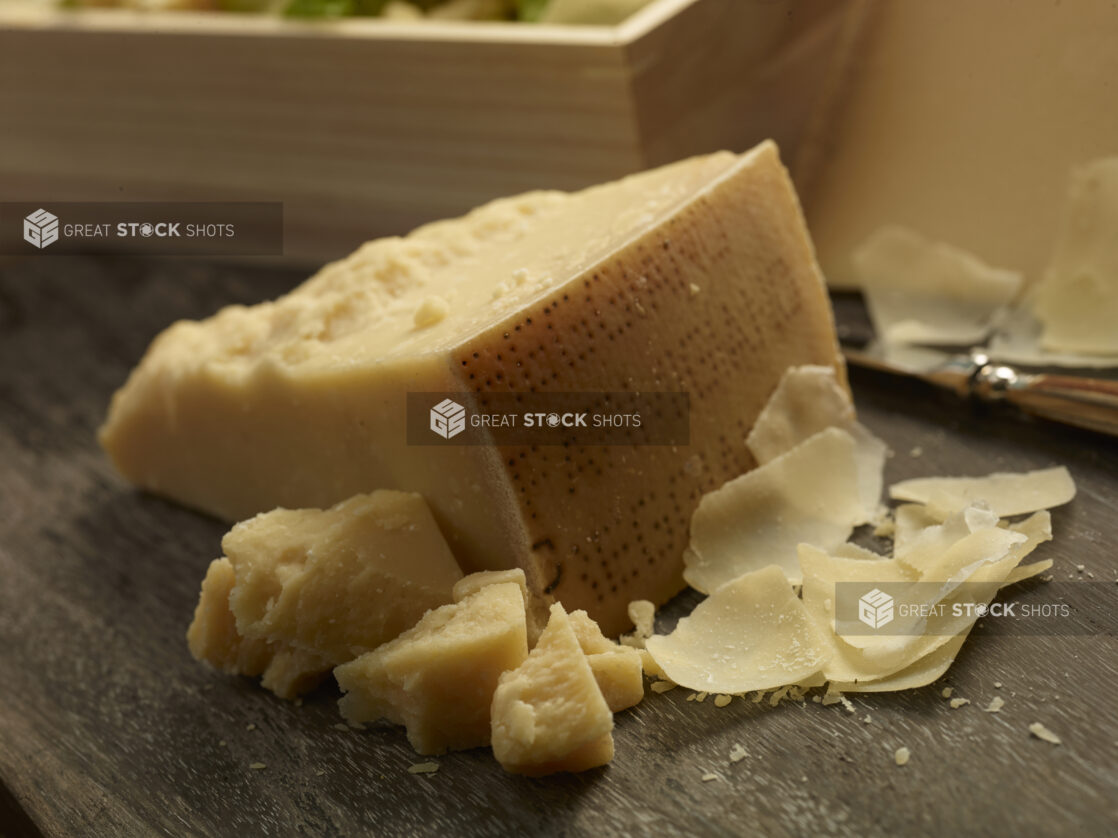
(1084, 402)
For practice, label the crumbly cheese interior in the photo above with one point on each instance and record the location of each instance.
(301, 591)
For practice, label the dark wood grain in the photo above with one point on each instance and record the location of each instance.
(107, 727)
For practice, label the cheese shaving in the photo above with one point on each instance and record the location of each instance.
(919, 291)
(809, 494)
(751, 634)
(1006, 493)
(809, 399)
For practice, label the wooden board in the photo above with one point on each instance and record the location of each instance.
(365, 128)
(108, 728)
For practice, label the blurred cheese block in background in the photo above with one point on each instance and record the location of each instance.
(698, 277)
(962, 120)
(1077, 301)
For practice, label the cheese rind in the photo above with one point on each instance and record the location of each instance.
(549, 714)
(301, 402)
(339, 582)
(438, 678)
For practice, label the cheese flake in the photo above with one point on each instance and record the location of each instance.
(751, 634)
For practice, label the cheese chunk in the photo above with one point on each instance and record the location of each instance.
(548, 714)
(617, 669)
(339, 582)
(473, 583)
(962, 120)
(213, 638)
(301, 402)
(438, 677)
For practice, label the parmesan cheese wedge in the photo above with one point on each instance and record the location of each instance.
(752, 633)
(303, 401)
(1005, 493)
(548, 714)
(438, 678)
(809, 494)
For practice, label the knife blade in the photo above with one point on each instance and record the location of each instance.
(1082, 401)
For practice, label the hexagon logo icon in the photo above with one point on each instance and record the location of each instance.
(448, 419)
(40, 228)
(875, 609)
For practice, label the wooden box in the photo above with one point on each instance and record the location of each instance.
(366, 127)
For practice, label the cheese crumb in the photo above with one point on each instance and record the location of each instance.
(831, 698)
(341, 726)
(221, 744)
(722, 700)
(996, 704)
(663, 686)
(916, 451)
(867, 720)
(956, 703)
(708, 777)
(701, 697)
(423, 768)
(320, 772)
(695, 289)
(738, 753)
(946, 692)
(1041, 732)
(250, 727)
(901, 756)
(432, 310)
(997, 685)
(258, 766)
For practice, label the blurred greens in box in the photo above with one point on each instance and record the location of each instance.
(592, 12)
